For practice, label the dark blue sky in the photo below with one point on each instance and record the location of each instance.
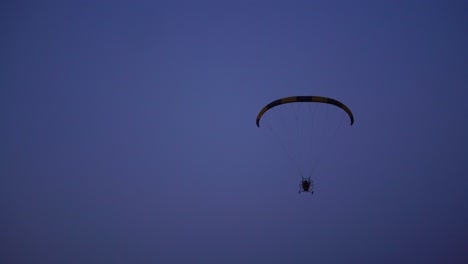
(128, 132)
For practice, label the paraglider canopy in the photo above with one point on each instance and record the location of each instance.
(310, 99)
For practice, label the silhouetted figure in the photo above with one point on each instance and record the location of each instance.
(307, 185)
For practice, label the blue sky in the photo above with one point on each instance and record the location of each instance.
(128, 132)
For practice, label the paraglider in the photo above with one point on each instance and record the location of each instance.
(306, 184)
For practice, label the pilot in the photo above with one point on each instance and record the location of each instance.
(305, 185)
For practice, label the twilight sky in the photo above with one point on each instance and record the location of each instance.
(128, 132)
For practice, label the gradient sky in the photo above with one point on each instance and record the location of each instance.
(128, 132)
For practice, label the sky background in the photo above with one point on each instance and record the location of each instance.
(128, 132)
